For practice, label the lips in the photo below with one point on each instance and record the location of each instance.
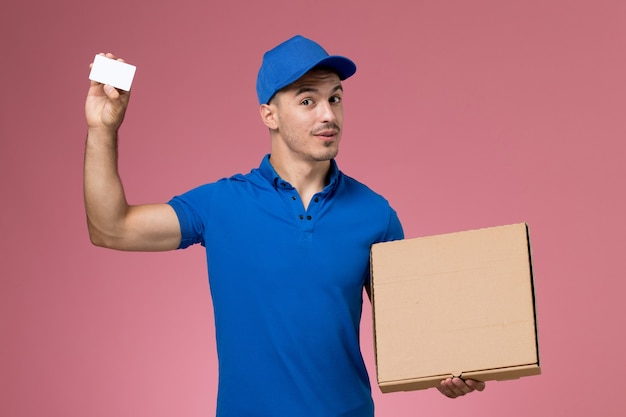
(327, 132)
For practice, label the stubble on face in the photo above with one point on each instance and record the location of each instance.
(310, 116)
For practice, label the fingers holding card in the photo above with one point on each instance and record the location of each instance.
(112, 72)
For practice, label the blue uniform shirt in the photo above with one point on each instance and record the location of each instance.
(287, 288)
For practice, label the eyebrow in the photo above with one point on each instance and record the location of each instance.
(310, 89)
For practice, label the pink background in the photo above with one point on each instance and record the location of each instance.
(464, 114)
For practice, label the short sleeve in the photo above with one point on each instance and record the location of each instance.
(191, 224)
(394, 227)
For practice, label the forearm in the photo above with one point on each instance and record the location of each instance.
(105, 201)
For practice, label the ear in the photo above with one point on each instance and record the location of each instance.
(268, 115)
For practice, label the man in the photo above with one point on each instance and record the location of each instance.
(287, 244)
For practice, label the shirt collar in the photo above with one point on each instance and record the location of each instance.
(267, 171)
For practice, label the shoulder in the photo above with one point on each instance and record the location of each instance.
(223, 192)
(371, 207)
(235, 180)
(358, 190)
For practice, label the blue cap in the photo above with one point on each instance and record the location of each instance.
(290, 60)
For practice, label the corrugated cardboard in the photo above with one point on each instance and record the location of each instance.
(459, 304)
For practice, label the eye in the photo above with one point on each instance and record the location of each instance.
(335, 99)
(306, 102)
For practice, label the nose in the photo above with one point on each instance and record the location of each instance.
(327, 112)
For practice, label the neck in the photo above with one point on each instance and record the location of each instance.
(308, 177)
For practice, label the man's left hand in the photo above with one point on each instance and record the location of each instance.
(457, 387)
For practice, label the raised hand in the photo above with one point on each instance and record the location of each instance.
(105, 105)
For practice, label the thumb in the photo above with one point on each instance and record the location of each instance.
(111, 92)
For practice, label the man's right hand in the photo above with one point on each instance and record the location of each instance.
(105, 105)
(111, 221)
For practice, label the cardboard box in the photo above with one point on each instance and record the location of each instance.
(459, 304)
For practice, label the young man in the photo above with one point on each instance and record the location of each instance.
(287, 318)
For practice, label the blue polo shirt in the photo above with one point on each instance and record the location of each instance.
(287, 287)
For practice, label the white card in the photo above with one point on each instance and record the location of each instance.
(109, 71)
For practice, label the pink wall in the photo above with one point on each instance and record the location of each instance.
(464, 114)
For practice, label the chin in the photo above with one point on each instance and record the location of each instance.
(327, 156)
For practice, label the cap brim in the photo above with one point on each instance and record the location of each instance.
(343, 66)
